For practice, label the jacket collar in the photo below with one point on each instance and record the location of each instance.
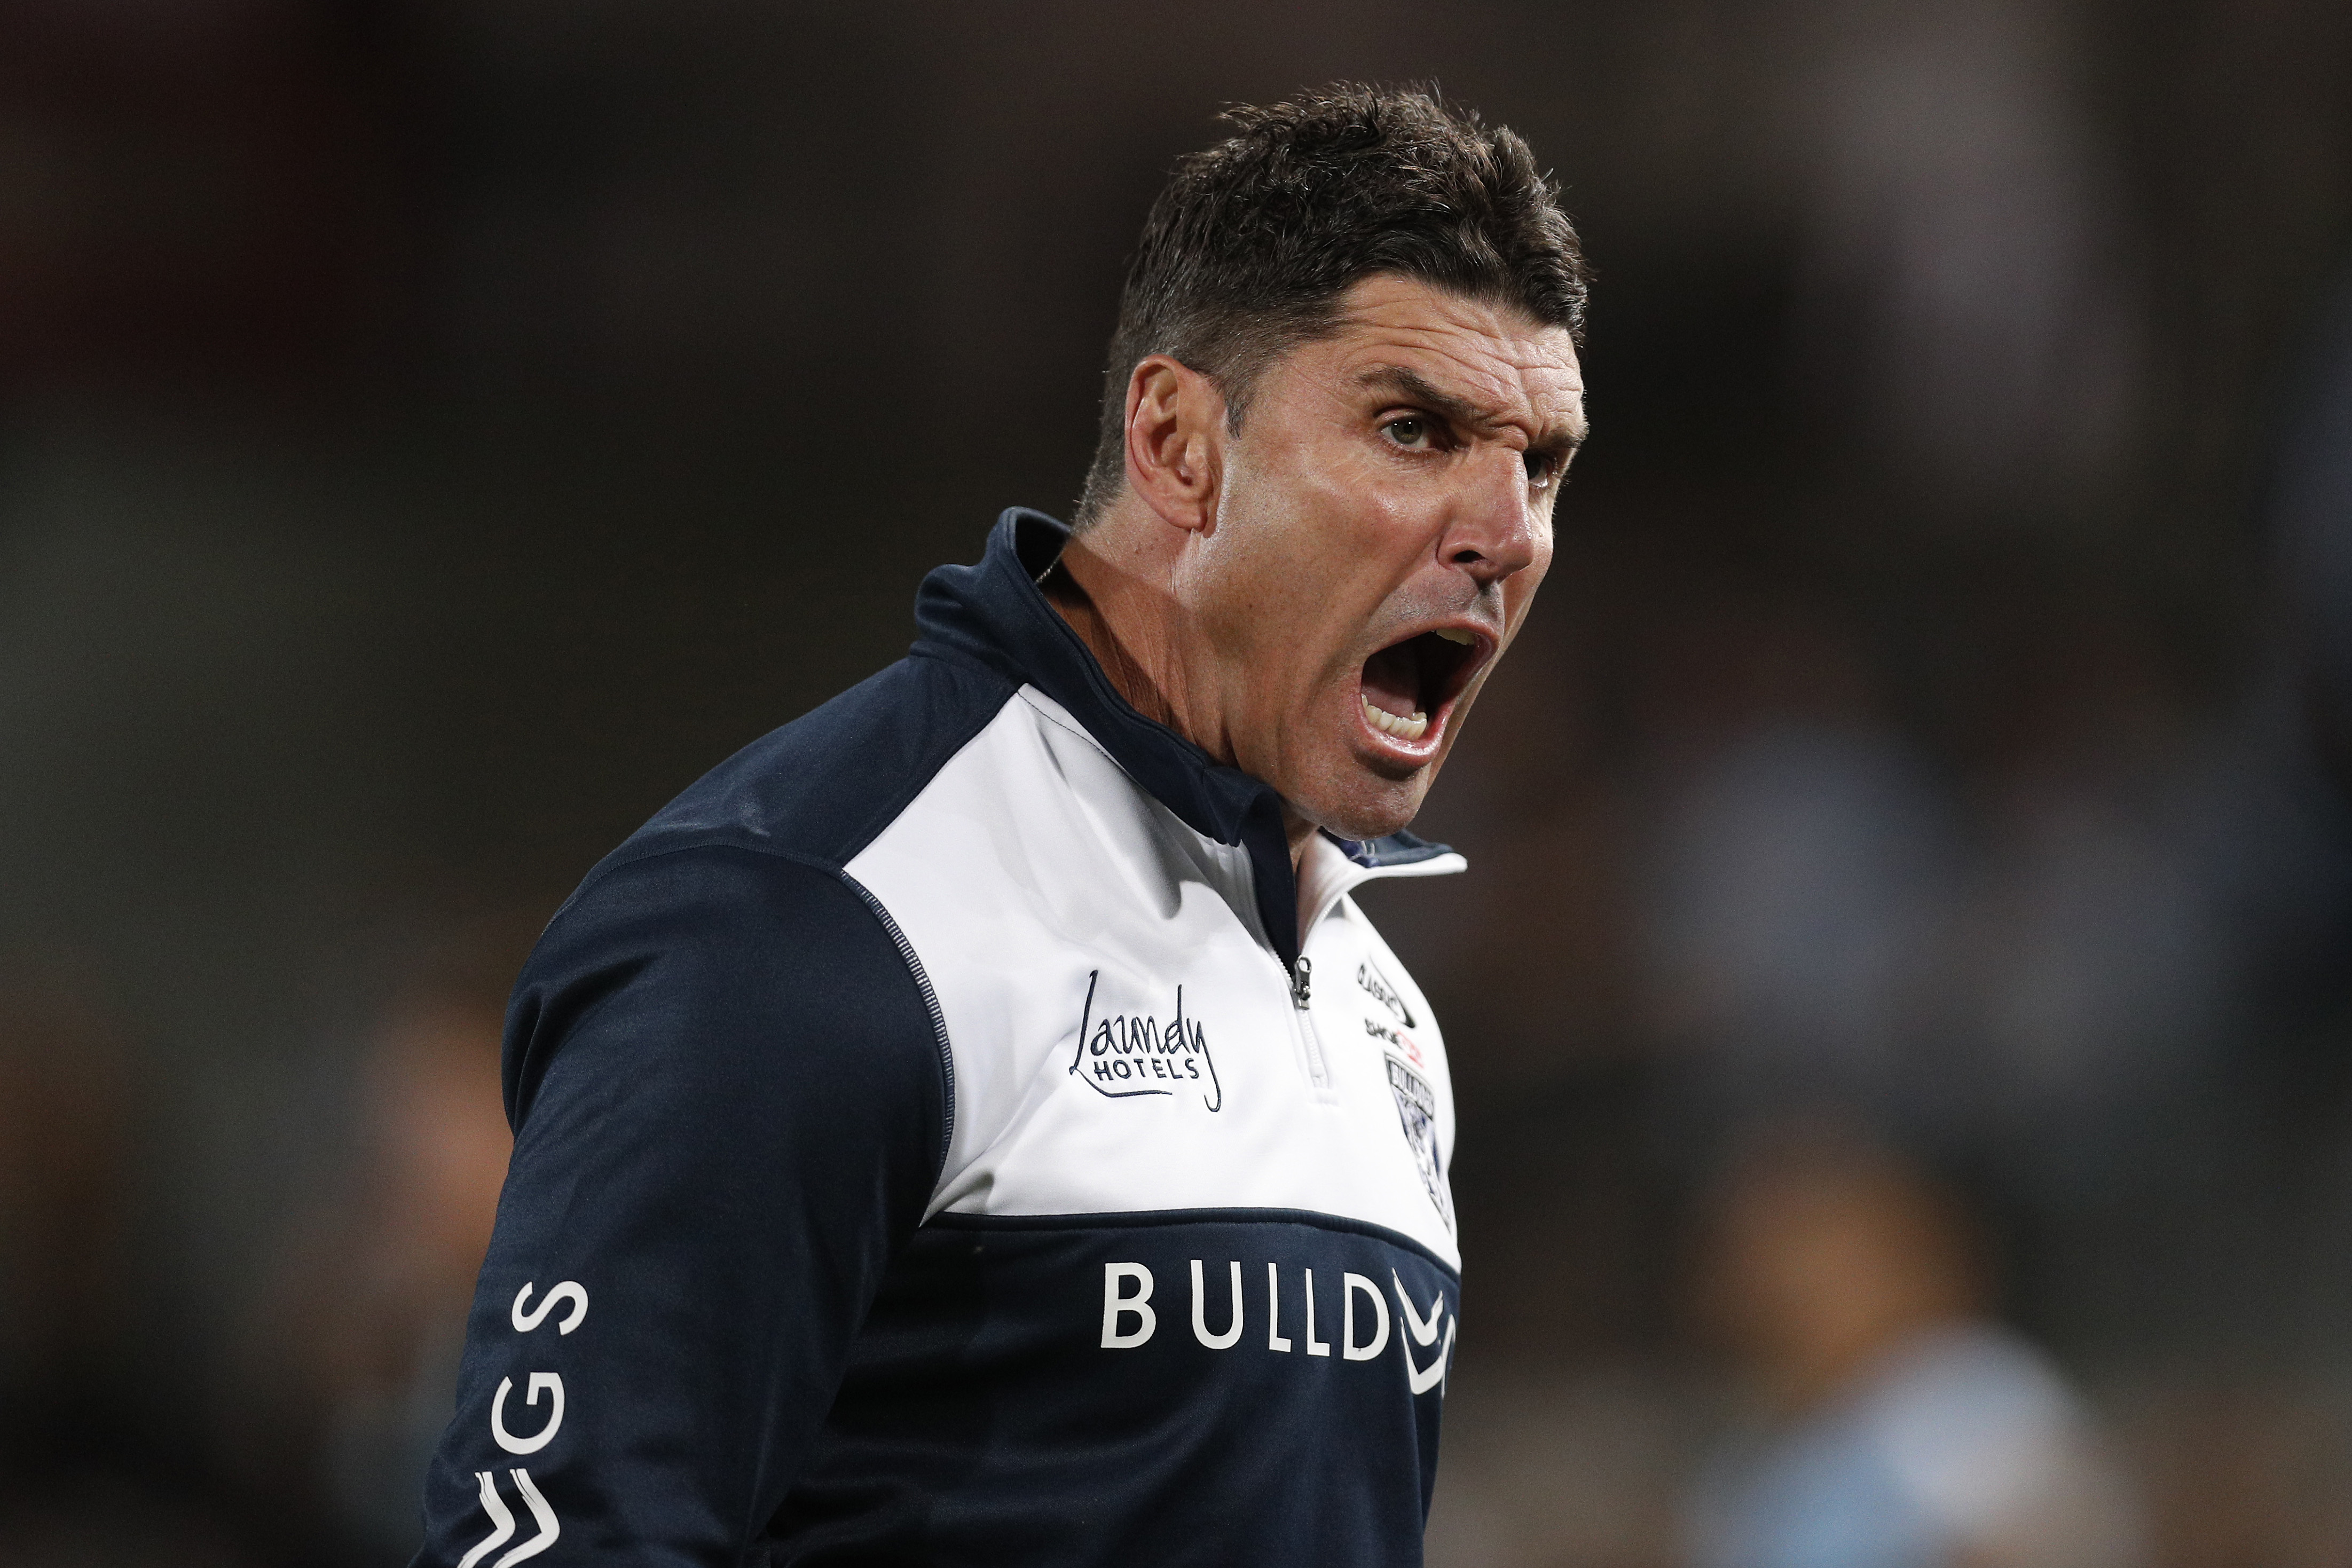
(994, 614)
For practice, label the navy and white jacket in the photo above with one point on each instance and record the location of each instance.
(936, 1144)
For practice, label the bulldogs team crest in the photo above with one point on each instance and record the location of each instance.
(1417, 1109)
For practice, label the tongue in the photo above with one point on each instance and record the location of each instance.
(1392, 681)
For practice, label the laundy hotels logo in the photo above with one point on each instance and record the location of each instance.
(1126, 1055)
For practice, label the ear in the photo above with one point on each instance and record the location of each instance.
(1175, 442)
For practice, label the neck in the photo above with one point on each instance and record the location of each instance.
(1123, 620)
(1120, 604)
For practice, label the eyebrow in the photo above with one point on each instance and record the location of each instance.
(1411, 386)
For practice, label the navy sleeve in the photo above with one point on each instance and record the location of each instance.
(729, 1104)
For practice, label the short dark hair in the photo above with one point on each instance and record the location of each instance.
(1253, 242)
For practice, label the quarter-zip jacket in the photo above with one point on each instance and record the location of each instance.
(949, 1133)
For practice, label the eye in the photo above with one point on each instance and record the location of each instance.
(1411, 432)
(1542, 469)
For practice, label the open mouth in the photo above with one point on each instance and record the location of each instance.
(1408, 686)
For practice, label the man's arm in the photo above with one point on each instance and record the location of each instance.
(730, 1105)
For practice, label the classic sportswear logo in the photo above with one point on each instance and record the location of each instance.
(1377, 986)
(1123, 1055)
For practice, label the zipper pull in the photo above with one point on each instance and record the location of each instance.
(1302, 978)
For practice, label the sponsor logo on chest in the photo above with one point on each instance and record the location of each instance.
(1123, 1055)
(1387, 1018)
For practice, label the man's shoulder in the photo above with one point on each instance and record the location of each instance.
(818, 789)
(731, 903)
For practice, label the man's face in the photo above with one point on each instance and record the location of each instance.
(1383, 520)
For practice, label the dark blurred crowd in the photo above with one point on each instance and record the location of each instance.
(331, 1365)
(1902, 1002)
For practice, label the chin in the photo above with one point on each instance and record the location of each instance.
(1373, 808)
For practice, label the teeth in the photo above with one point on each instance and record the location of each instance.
(1412, 728)
(1453, 634)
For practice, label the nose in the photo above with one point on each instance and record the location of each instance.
(1496, 527)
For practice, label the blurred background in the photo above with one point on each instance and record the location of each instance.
(1902, 1002)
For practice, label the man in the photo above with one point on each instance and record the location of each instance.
(974, 1125)
(1892, 1420)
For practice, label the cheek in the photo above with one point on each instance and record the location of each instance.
(1337, 493)
(1279, 573)
(1308, 547)
(1520, 590)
